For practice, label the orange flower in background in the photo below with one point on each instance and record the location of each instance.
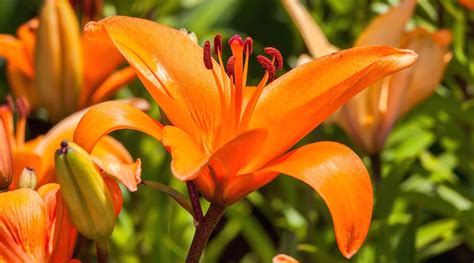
(53, 66)
(467, 3)
(34, 225)
(230, 138)
(369, 117)
(282, 258)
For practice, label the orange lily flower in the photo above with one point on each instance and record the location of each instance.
(89, 69)
(53, 236)
(369, 117)
(282, 258)
(230, 138)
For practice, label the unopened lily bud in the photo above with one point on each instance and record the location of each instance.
(5, 159)
(58, 59)
(27, 178)
(85, 193)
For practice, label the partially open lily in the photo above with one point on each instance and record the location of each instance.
(34, 225)
(54, 67)
(369, 117)
(230, 138)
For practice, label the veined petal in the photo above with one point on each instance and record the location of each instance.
(315, 39)
(62, 234)
(188, 157)
(342, 180)
(23, 226)
(171, 67)
(110, 116)
(297, 102)
(112, 84)
(388, 28)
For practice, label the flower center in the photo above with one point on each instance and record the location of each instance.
(237, 100)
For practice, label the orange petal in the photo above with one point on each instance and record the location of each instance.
(129, 174)
(62, 237)
(110, 116)
(171, 66)
(282, 258)
(13, 51)
(387, 29)
(27, 35)
(116, 193)
(100, 61)
(23, 226)
(413, 85)
(342, 180)
(188, 157)
(297, 102)
(315, 39)
(6, 163)
(112, 84)
(22, 86)
(236, 154)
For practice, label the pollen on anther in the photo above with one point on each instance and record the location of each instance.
(236, 39)
(218, 44)
(268, 66)
(277, 55)
(248, 45)
(207, 55)
(230, 66)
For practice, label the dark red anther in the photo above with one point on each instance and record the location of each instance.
(248, 45)
(277, 55)
(268, 66)
(218, 44)
(230, 66)
(236, 39)
(207, 54)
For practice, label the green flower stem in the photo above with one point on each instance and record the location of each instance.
(203, 232)
(181, 199)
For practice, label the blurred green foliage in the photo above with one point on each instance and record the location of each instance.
(424, 208)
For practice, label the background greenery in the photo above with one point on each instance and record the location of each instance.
(424, 208)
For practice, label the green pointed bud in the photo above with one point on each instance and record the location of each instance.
(85, 193)
(58, 61)
(27, 178)
(6, 171)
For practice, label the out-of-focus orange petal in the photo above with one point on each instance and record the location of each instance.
(188, 157)
(112, 84)
(171, 67)
(467, 3)
(100, 60)
(110, 116)
(129, 174)
(294, 104)
(388, 28)
(342, 180)
(115, 192)
(282, 258)
(23, 226)
(413, 85)
(12, 50)
(27, 35)
(22, 86)
(6, 163)
(62, 235)
(237, 153)
(315, 39)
